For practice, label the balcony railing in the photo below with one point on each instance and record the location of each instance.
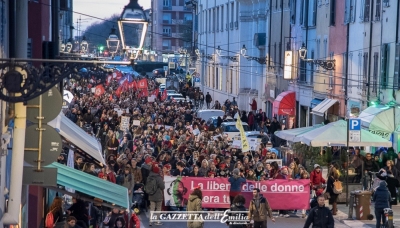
(177, 21)
(166, 22)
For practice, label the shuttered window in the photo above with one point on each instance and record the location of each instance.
(385, 65)
(367, 7)
(396, 79)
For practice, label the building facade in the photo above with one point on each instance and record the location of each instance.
(171, 26)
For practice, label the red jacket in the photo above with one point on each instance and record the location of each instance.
(253, 105)
(134, 221)
(316, 178)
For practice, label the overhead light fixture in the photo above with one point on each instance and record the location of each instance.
(113, 41)
(326, 64)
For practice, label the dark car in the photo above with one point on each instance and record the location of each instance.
(158, 72)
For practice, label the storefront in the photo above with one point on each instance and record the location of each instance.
(285, 106)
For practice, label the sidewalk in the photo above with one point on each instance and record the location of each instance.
(343, 212)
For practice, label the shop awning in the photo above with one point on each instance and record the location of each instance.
(285, 104)
(322, 107)
(90, 185)
(78, 137)
(315, 102)
(379, 120)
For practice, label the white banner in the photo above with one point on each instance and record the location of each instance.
(174, 192)
(124, 123)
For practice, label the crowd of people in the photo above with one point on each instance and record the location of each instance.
(165, 138)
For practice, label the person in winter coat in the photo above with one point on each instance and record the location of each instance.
(259, 209)
(128, 181)
(250, 121)
(320, 216)
(56, 209)
(156, 197)
(194, 204)
(238, 205)
(333, 176)
(316, 177)
(208, 100)
(236, 180)
(382, 200)
(253, 105)
(79, 211)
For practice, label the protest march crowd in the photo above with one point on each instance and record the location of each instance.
(147, 140)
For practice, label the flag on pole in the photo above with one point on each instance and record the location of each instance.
(243, 138)
(164, 95)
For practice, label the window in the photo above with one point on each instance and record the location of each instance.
(318, 55)
(217, 78)
(167, 31)
(385, 65)
(332, 14)
(396, 78)
(274, 60)
(353, 4)
(303, 70)
(166, 44)
(209, 21)
(331, 81)
(232, 14)
(166, 3)
(301, 12)
(222, 18)
(214, 19)
(378, 10)
(375, 74)
(188, 17)
(312, 68)
(220, 79)
(367, 7)
(349, 11)
(280, 65)
(227, 16)
(365, 70)
(360, 70)
(314, 15)
(166, 18)
(217, 20)
(349, 74)
(292, 5)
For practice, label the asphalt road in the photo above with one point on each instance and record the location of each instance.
(293, 221)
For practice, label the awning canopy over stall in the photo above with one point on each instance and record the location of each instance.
(285, 104)
(113, 194)
(379, 120)
(315, 102)
(78, 137)
(291, 134)
(335, 134)
(322, 107)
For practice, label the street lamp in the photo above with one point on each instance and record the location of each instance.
(326, 64)
(218, 51)
(84, 45)
(260, 60)
(132, 14)
(68, 47)
(231, 58)
(113, 42)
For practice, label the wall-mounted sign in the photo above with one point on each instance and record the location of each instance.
(287, 69)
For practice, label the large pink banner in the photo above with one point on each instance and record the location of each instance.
(281, 194)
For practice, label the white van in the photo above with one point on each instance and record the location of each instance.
(229, 128)
(208, 113)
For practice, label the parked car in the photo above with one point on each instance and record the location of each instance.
(208, 113)
(254, 134)
(230, 129)
(176, 97)
(213, 120)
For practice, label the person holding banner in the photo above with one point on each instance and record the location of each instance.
(259, 209)
(236, 180)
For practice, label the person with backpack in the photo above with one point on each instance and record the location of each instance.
(55, 216)
(382, 200)
(320, 216)
(154, 188)
(333, 189)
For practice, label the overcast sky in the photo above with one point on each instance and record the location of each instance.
(101, 9)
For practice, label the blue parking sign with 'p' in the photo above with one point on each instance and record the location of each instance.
(355, 125)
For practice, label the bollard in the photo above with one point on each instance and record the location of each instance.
(390, 218)
(351, 205)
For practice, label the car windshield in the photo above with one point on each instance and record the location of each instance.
(232, 128)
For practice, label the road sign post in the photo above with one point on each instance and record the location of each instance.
(353, 135)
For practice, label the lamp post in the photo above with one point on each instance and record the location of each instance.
(231, 58)
(68, 46)
(260, 60)
(132, 14)
(113, 42)
(326, 64)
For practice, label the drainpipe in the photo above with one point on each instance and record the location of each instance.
(11, 217)
(370, 53)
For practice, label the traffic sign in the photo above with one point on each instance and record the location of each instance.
(354, 130)
(196, 79)
(355, 125)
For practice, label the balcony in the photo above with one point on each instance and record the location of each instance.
(166, 22)
(177, 35)
(177, 21)
(167, 7)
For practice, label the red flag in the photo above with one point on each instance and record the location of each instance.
(117, 75)
(155, 92)
(125, 86)
(164, 95)
(111, 97)
(109, 79)
(118, 91)
(132, 85)
(142, 84)
(144, 93)
(99, 90)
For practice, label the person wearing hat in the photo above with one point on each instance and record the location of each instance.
(223, 171)
(237, 180)
(316, 178)
(154, 188)
(382, 200)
